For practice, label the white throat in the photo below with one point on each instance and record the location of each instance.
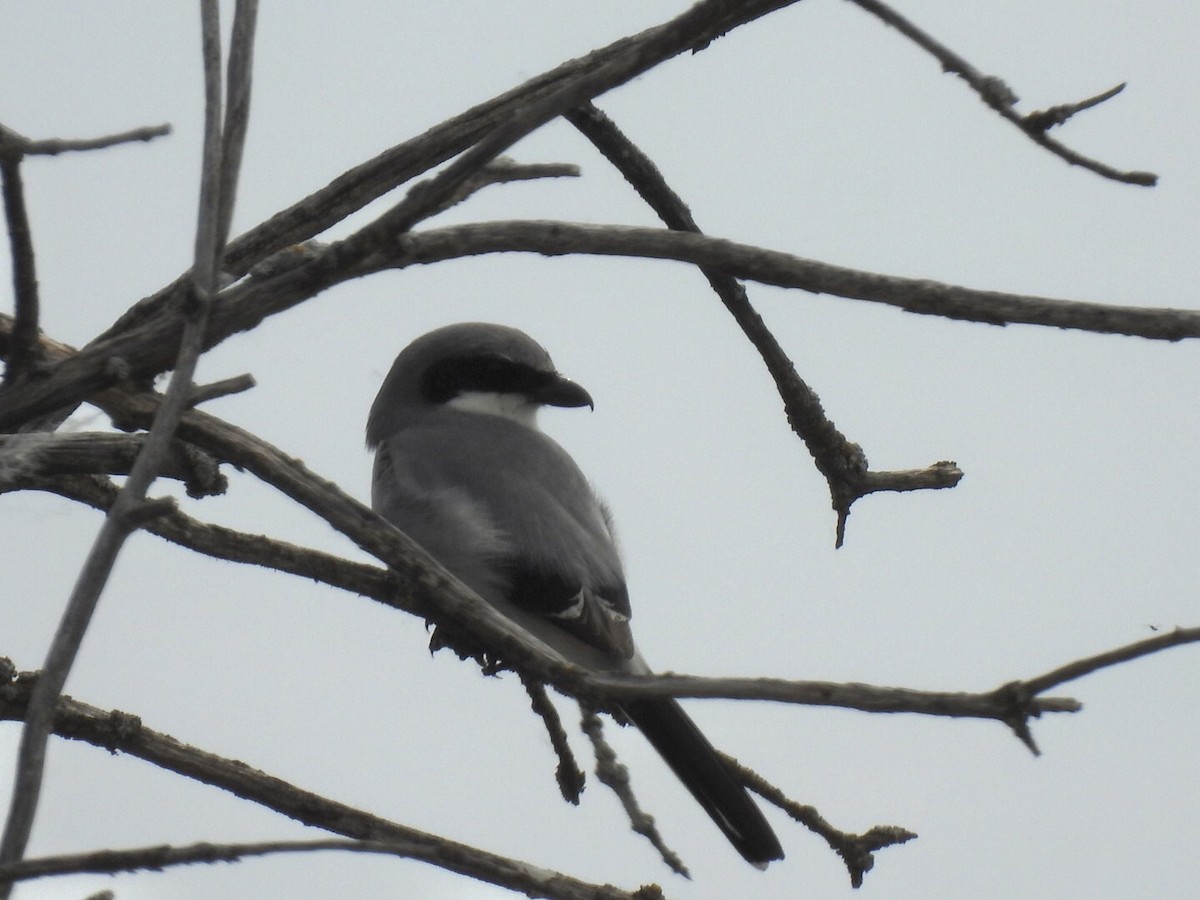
(517, 407)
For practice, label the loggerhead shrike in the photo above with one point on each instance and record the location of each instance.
(462, 468)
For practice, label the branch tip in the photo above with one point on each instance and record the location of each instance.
(1043, 120)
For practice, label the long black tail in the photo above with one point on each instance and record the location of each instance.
(694, 761)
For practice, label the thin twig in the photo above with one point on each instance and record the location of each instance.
(856, 850)
(615, 776)
(202, 393)
(23, 353)
(1174, 638)
(208, 243)
(237, 111)
(53, 147)
(503, 170)
(164, 856)
(569, 777)
(1045, 119)
(1000, 97)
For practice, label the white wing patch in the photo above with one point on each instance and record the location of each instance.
(595, 621)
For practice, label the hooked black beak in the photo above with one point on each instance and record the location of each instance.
(560, 391)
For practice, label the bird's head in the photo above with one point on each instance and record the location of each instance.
(475, 367)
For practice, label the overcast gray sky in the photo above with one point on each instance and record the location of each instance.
(816, 131)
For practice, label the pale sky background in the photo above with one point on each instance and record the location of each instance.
(817, 131)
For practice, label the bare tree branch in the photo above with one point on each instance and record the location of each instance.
(430, 196)
(83, 453)
(129, 509)
(164, 856)
(786, 270)
(1000, 97)
(1005, 703)
(148, 350)
(922, 296)
(1016, 701)
(1010, 703)
(120, 732)
(23, 359)
(618, 62)
(229, 544)
(843, 463)
(999, 704)
(540, 99)
(419, 589)
(173, 328)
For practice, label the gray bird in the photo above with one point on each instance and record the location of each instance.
(462, 468)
